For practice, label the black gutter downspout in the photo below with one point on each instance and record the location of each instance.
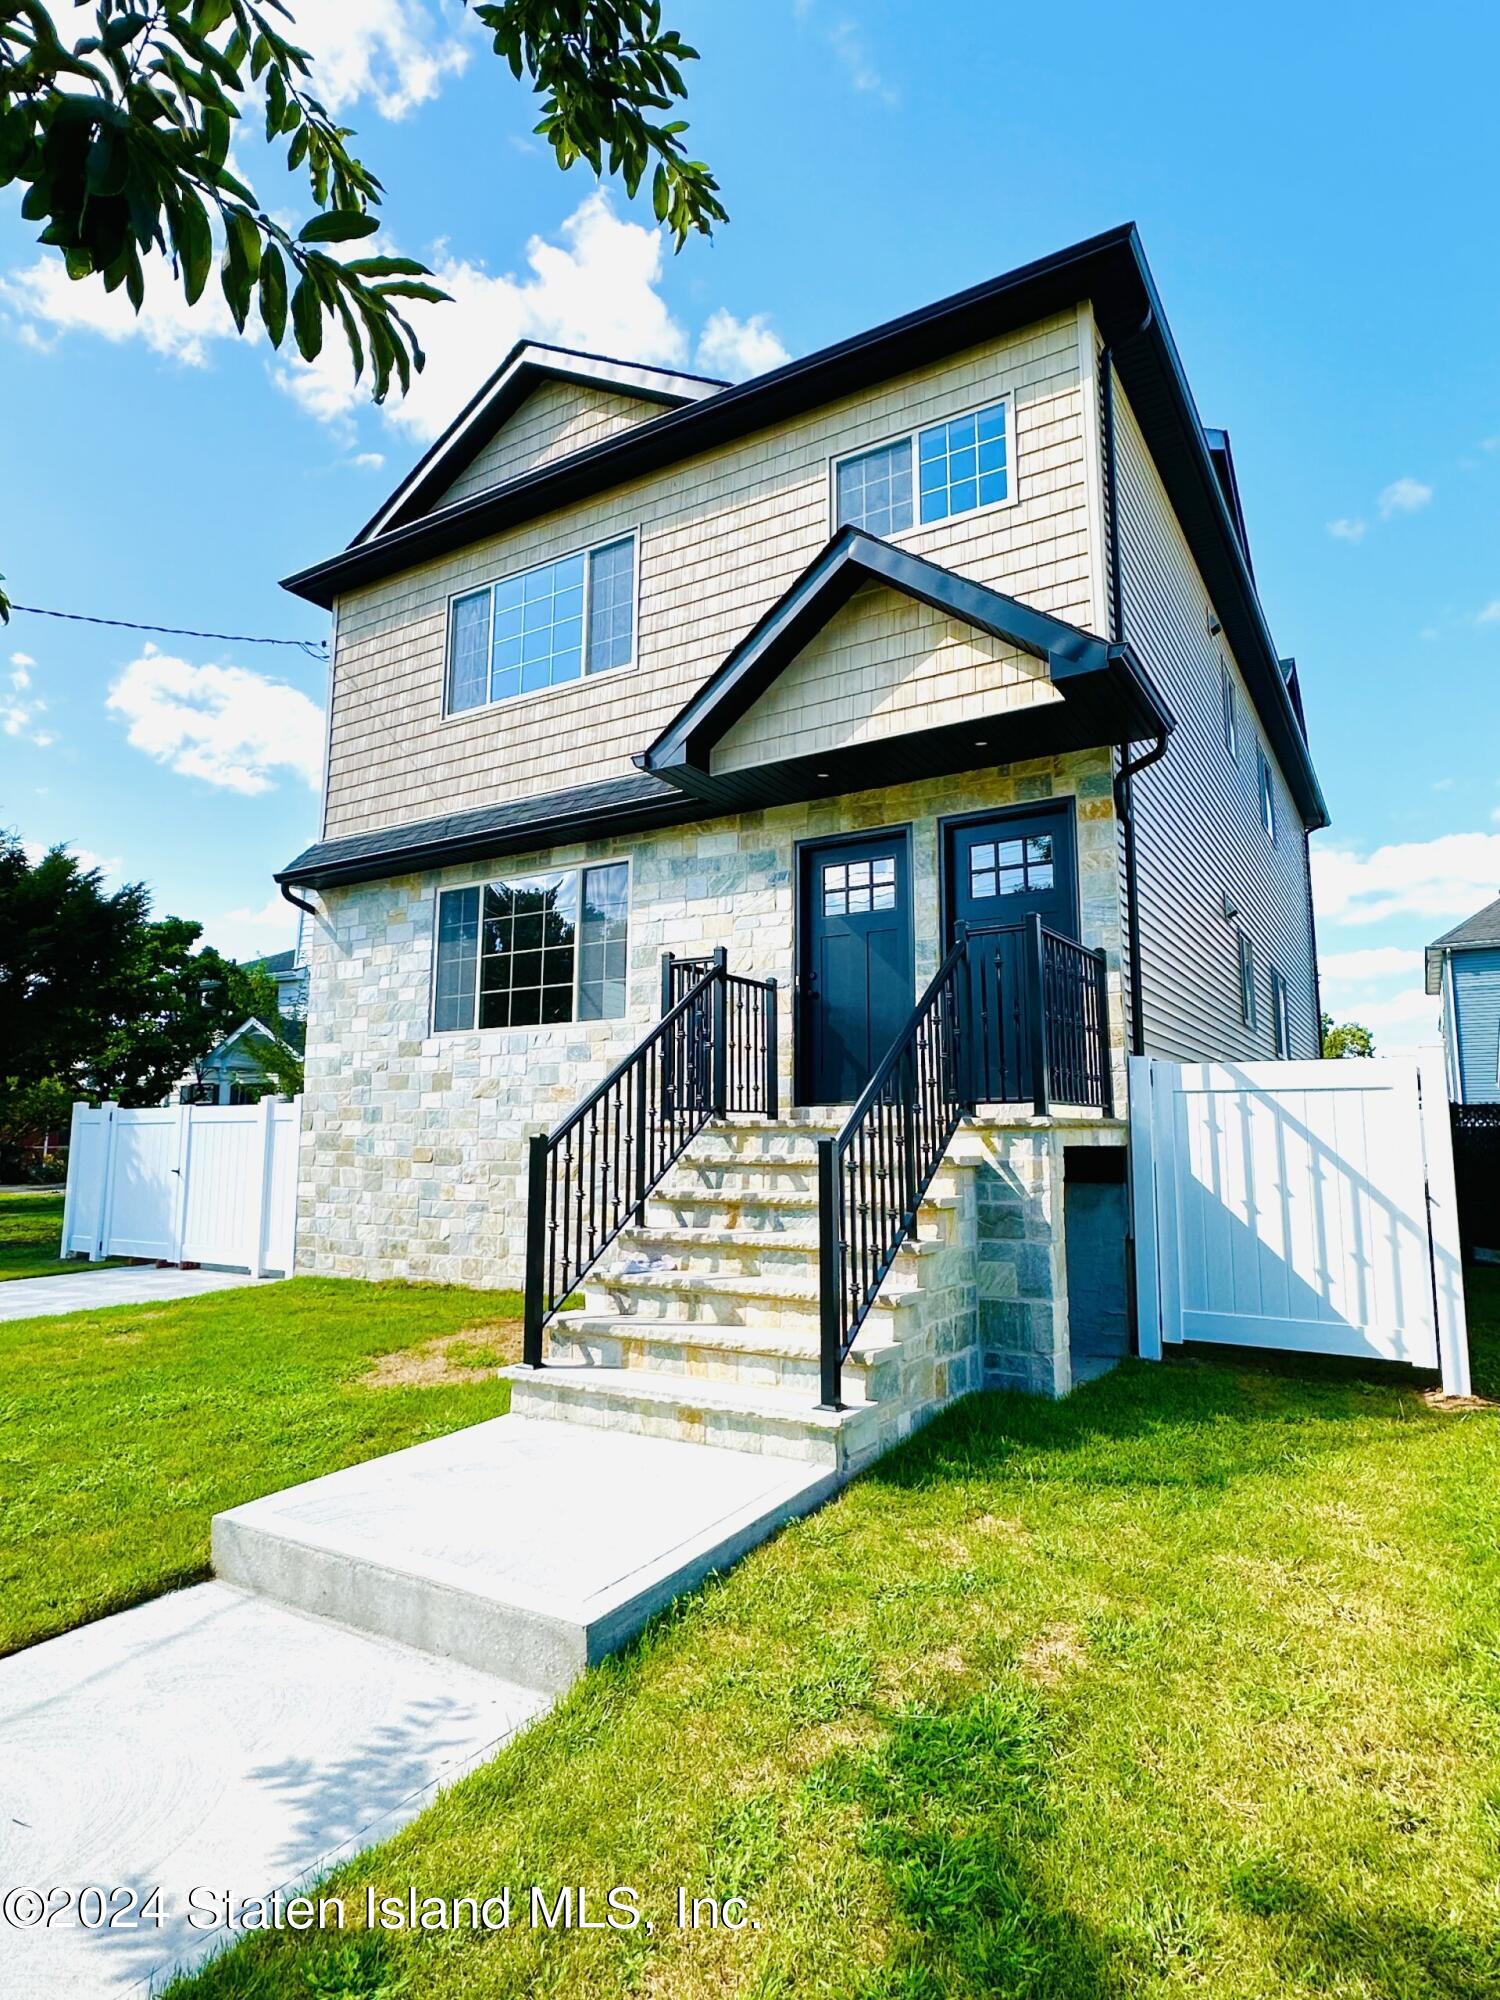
(297, 902)
(1123, 792)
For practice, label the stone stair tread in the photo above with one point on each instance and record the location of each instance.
(691, 1392)
(731, 1285)
(772, 1342)
(750, 1239)
(673, 1195)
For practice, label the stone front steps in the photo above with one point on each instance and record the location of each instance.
(702, 1323)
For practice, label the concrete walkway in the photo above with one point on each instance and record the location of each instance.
(127, 1285)
(226, 1737)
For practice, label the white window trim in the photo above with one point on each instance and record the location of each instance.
(483, 882)
(1244, 967)
(1229, 711)
(1265, 790)
(1281, 1014)
(508, 703)
(911, 435)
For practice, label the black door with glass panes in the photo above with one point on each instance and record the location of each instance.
(854, 962)
(1000, 872)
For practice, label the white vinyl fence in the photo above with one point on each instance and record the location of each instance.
(1308, 1206)
(188, 1184)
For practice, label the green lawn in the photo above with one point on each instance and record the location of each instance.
(123, 1431)
(30, 1234)
(1188, 1686)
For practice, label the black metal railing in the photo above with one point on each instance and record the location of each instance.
(872, 1177)
(1016, 1012)
(712, 1052)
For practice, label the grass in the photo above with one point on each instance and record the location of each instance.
(31, 1236)
(1187, 1686)
(123, 1431)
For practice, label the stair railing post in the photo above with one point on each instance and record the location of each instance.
(642, 1127)
(536, 1251)
(965, 1064)
(719, 1016)
(830, 1279)
(666, 983)
(1101, 1016)
(773, 1099)
(1041, 1083)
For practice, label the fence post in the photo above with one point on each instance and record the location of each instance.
(830, 1278)
(536, 1250)
(1106, 1054)
(265, 1140)
(773, 1098)
(107, 1111)
(719, 1032)
(182, 1171)
(70, 1186)
(1041, 1082)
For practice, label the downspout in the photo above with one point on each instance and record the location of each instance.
(297, 902)
(1128, 767)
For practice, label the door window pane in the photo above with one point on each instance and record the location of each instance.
(1011, 867)
(854, 888)
(874, 490)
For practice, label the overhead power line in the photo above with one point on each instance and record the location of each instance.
(315, 649)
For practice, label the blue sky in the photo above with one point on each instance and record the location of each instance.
(1315, 189)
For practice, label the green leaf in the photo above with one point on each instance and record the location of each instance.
(192, 239)
(307, 319)
(273, 293)
(339, 225)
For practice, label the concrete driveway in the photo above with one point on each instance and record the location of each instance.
(132, 1285)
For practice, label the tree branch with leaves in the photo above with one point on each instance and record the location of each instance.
(121, 140)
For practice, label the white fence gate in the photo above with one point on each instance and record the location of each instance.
(190, 1184)
(1300, 1205)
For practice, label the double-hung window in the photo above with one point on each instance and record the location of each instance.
(928, 475)
(544, 626)
(1247, 980)
(1267, 795)
(1281, 1018)
(533, 950)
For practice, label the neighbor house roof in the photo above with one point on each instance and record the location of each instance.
(274, 962)
(1109, 271)
(1474, 933)
(1107, 697)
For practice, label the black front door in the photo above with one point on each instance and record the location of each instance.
(1000, 873)
(855, 961)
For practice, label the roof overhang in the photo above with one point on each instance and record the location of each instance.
(526, 367)
(1106, 695)
(635, 804)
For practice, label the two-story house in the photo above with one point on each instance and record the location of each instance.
(926, 677)
(1463, 968)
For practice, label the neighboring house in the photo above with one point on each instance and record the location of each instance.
(234, 1071)
(951, 624)
(1464, 967)
(289, 971)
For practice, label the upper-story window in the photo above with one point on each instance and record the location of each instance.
(1281, 1015)
(543, 626)
(533, 950)
(1247, 979)
(1267, 778)
(1229, 713)
(928, 475)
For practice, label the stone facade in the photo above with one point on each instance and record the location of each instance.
(414, 1142)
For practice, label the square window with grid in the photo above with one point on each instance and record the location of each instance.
(543, 628)
(964, 464)
(1011, 867)
(854, 888)
(874, 490)
(537, 951)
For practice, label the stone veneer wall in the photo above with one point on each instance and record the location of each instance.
(413, 1161)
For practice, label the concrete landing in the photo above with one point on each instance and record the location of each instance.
(522, 1547)
(210, 1741)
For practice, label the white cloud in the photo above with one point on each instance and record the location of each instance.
(1381, 961)
(847, 41)
(1450, 876)
(397, 53)
(45, 303)
(87, 859)
(21, 711)
(1404, 496)
(226, 725)
(1490, 614)
(1344, 530)
(596, 289)
(249, 933)
(739, 347)
(368, 461)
